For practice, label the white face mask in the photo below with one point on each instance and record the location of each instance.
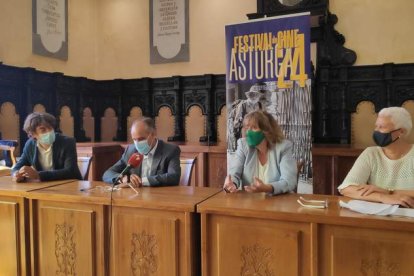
(47, 138)
(142, 146)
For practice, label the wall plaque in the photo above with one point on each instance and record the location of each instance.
(169, 31)
(50, 28)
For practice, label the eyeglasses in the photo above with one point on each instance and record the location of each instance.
(317, 204)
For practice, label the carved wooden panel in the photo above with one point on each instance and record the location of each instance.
(66, 122)
(276, 7)
(134, 114)
(409, 105)
(338, 88)
(363, 125)
(88, 122)
(109, 123)
(9, 239)
(39, 108)
(358, 251)
(146, 243)
(164, 122)
(195, 124)
(222, 125)
(240, 246)
(9, 124)
(42, 89)
(67, 240)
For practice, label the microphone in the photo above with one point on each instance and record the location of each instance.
(134, 161)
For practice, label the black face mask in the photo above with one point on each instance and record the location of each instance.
(384, 139)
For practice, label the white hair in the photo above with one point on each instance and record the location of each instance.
(399, 116)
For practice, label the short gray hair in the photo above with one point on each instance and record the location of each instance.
(148, 122)
(399, 116)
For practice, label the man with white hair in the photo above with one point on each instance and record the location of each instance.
(385, 173)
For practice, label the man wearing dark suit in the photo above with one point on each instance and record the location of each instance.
(161, 161)
(46, 155)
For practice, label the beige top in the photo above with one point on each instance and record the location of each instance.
(374, 167)
(262, 171)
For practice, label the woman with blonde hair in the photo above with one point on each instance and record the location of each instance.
(263, 160)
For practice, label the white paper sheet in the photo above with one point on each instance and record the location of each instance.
(371, 208)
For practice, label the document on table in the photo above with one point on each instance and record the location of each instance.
(374, 208)
(371, 208)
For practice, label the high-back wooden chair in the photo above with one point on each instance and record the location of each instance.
(7, 155)
(299, 165)
(187, 165)
(84, 164)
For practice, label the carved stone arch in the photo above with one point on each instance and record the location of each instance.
(164, 122)
(9, 123)
(66, 122)
(222, 125)
(409, 106)
(39, 108)
(88, 121)
(109, 125)
(164, 98)
(162, 107)
(195, 124)
(134, 114)
(201, 107)
(363, 124)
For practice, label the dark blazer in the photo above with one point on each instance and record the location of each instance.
(165, 168)
(65, 159)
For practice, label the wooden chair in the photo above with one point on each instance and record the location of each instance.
(187, 165)
(7, 147)
(84, 164)
(299, 165)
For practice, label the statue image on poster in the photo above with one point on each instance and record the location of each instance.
(50, 28)
(256, 98)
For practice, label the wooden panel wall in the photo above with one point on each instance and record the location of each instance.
(88, 105)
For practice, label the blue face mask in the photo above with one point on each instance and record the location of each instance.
(142, 147)
(47, 138)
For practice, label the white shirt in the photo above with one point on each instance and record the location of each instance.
(374, 167)
(146, 165)
(45, 157)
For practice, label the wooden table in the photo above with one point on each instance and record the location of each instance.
(68, 229)
(155, 232)
(254, 234)
(15, 225)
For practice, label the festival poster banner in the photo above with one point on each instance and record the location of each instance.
(269, 68)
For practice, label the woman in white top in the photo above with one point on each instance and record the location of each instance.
(264, 161)
(385, 173)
